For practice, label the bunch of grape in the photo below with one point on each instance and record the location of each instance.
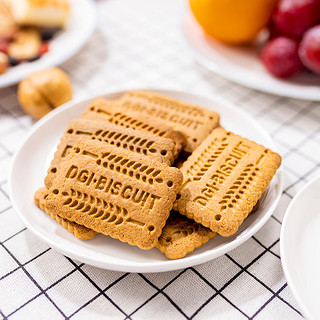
(294, 44)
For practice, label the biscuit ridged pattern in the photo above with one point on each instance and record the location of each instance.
(115, 192)
(111, 111)
(223, 180)
(193, 121)
(79, 231)
(95, 207)
(156, 147)
(131, 168)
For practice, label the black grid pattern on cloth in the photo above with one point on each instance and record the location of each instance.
(135, 47)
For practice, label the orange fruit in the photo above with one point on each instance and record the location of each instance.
(233, 21)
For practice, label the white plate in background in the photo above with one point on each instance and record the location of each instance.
(300, 248)
(64, 44)
(243, 65)
(34, 156)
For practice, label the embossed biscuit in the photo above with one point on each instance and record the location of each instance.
(223, 180)
(156, 147)
(194, 121)
(79, 231)
(115, 192)
(181, 236)
(101, 109)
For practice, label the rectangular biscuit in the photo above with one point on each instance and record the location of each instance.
(194, 121)
(79, 231)
(181, 236)
(101, 109)
(115, 192)
(156, 147)
(223, 180)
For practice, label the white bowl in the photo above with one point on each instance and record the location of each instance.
(65, 44)
(243, 65)
(300, 248)
(34, 156)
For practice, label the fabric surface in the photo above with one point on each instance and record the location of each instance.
(139, 44)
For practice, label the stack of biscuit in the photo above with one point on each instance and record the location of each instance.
(154, 172)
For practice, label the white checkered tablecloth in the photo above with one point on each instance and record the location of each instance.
(138, 43)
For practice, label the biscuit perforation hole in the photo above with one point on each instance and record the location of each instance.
(163, 152)
(70, 131)
(169, 184)
(55, 191)
(54, 170)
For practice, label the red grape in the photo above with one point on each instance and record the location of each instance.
(294, 17)
(280, 57)
(309, 50)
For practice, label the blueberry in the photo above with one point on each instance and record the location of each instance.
(47, 34)
(33, 58)
(13, 62)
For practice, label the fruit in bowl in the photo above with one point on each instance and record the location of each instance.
(294, 44)
(232, 21)
(280, 57)
(27, 26)
(293, 17)
(309, 50)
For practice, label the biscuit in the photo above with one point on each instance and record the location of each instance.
(223, 180)
(181, 236)
(193, 121)
(79, 231)
(156, 147)
(101, 109)
(115, 192)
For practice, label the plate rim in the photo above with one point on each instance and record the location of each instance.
(283, 253)
(56, 61)
(255, 85)
(158, 266)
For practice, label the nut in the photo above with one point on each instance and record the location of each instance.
(43, 91)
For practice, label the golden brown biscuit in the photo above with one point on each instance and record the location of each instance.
(181, 236)
(141, 142)
(223, 180)
(101, 109)
(79, 231)
(43, 91)
(42, 13)
(115, 192)
(194, 121)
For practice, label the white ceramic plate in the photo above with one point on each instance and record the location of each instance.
(33, 158)
(300, 248)
(64, 45)
(242, 65)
